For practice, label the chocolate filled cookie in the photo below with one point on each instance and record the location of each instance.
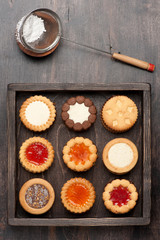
(78, 113)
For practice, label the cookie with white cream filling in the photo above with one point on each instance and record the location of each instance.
(37, 113)
(78, 113)
(120, 155)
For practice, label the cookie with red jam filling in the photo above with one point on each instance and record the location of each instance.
(120, 196)
(36, 154)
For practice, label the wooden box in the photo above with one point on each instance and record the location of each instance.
(58, 134)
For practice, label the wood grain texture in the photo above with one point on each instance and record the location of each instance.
(130, 27)
(11, 152)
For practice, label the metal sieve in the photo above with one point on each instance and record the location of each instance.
(50, 39)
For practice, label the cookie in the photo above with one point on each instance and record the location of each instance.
(119, 114)
(36, 196)
(120, 196)
(36, 154)
(78, 195)
(120, 155)
(79, 154)
(37, 113)
(78, 113)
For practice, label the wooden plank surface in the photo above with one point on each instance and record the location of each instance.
(11, 152)
(83, 87)
(131, 27)
(80, 222)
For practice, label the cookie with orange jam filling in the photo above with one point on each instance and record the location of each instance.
(120, 196)
(78, 195)
(36, 154)
(79, 154)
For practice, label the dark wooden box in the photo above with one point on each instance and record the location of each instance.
(58, 134)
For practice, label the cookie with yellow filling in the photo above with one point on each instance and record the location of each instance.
(36, 154)
(120, 155)
(78, 195)
(37, 113)
(120, 196)
(119, 114)
(36, 196)
(79, 154)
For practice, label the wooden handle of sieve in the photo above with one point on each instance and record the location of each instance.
(135, 62)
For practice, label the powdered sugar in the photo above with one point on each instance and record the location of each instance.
(18, 27)
(33, 28)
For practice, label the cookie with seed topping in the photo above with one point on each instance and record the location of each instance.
(36, 196)
(119, 114)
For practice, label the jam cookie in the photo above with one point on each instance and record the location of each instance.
(36, 154)
(36, 196)
(79, 154)
(119, 114)
(120, 196)
(37, 113)
(78, 195)
(120, 155)
(78, 113)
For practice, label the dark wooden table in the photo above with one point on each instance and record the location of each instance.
(130, 27)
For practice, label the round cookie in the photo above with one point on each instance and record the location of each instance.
(120, 196)
(78, 113)
(79, 154)
(36, 154)
(37, 113)
(120, 155)
(36, 196)
(119, 114)
(78, 195)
